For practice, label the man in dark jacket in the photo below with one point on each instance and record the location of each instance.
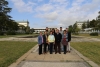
(58, 38)
(69, 39)
(45, 41)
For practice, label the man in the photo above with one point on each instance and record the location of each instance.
(45, 41)
(69, 39)
(47, 34)
(58, 38)
(61, 32)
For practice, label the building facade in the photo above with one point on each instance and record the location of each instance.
(24, 23)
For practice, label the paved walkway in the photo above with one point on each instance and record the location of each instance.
(73, 59)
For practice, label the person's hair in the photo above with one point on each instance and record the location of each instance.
(66, 28)
(60, 27)
(64, 31)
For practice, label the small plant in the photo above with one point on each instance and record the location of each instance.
(94, 34)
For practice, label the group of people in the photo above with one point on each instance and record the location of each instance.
(54, 40)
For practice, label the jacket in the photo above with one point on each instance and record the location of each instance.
(40, 40)
(58, 37)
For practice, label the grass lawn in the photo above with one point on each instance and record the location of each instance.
(88, 35)
(88, 49)
(11, 51)
(3, 36)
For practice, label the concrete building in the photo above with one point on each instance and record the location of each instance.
(80, 23)
(24, 23)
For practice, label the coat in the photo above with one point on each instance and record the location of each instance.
(40, 40)
(58, 37)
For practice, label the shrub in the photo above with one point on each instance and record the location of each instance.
(11, 33)
(94, 34)
(1, 33)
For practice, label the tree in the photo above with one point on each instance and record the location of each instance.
(6, 23)
(70, 28)
(83, 26)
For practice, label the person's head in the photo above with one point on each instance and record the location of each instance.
(64, 31)
(53, 30)
(61, 28)
(57, 31)
(40, 33)
(46, 28)
(45, 32)
(50, 32)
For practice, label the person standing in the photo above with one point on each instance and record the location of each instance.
(51, 41)
(58, 38)
(65, 40)
(53, 32)
(47, 30)
(61, 31)
(45, 41)
(69, 39)
(40, 42)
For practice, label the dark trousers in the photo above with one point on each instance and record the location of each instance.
(65, 48)
(45, 47)
(48, 47)
(40, 49)
(57, 48)
(51, 48)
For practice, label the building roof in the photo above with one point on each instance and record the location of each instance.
(22, 21)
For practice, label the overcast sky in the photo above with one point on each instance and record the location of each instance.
(53, 13)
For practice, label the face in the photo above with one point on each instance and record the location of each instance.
(57, 31)
(66, 29)
(40, 33)
(64, 32)
(45, 32)
(60, 28)
(50, 32)
(46, 28)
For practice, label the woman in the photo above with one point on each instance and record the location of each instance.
(51, 41)
(40, 42)
(65, 40)
(45, 41)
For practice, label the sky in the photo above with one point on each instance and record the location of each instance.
(53, 13)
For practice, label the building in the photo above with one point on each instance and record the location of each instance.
(37, 30)
(80, 23)
(24, 23)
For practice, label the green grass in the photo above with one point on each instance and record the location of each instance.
(88, 49)
(3, 36)
(88, 35)
(11, 51)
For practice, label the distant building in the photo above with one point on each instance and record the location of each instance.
(37, 30)
(24, 23)
(80, 23)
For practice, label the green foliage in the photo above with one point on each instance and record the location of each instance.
(83, 26)
(6, 23)
(11, 33)
(94, 34)
(1, 33)
(11, 51)
(89, 49)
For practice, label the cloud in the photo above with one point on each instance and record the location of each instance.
(63, 12)
(44, 8)
(21, 6)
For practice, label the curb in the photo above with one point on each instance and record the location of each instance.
(91, 63)
(22, 57)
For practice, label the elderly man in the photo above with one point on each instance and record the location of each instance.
(58, 38)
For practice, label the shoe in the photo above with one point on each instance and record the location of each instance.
(59, 53)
